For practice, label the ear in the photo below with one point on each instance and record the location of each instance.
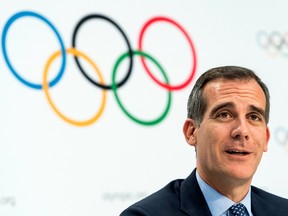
(189, 130)
(267, 139)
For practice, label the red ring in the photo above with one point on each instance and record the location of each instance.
(165, 85)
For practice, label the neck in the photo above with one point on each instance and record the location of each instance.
(234, 189)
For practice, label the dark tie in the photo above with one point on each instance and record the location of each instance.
(237, 210)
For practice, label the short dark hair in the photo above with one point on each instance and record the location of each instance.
(197, 104)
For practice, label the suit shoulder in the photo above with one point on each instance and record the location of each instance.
(165, 198)
(270, 198)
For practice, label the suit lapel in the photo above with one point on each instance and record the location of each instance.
(260, 206)
(193, 203)
(192, 200)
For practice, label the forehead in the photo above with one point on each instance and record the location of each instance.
(246, 91)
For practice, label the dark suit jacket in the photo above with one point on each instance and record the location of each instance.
(184, 197)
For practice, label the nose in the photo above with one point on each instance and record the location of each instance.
(240, 130)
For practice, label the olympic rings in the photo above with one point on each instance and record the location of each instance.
(165, 85)
(83, 20)
(15, 73)
(114, 88)
(282, 136)
(273, 42)
(45, 87)
(77, 53)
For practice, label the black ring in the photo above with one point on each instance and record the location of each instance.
(277, 35)
(86, 18)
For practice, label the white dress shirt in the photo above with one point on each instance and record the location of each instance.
(219, 204)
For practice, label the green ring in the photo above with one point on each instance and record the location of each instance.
(114, 88)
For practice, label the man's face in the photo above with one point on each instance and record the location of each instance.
(233, 135)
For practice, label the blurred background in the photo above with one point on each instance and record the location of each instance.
(93, 136)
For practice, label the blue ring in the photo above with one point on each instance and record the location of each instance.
(15, 73)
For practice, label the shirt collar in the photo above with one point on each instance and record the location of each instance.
(217, 203)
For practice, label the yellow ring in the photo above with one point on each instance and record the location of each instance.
(74, 52)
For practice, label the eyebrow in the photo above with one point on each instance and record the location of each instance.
(232, 105)
(258, 110)
(221, 106)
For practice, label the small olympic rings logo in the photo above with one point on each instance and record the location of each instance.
(274, 42)
(130, 54)
(281, 135)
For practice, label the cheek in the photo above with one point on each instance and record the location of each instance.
(265, 147)
(208, 141)
(267, 139)
(262, 138)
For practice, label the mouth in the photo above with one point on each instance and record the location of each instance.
(236, 152)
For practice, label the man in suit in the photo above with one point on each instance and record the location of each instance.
(228, 113)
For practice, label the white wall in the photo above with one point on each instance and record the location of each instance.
(51, 167)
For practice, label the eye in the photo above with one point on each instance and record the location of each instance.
(224, 115)
(255, 117)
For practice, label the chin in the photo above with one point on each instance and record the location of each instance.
(241, 174)
(237, 171)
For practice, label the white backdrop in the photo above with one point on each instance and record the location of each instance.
(51, 167)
